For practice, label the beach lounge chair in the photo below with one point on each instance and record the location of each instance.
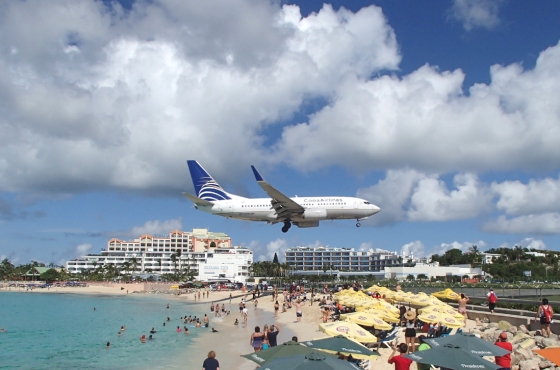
(388, 341)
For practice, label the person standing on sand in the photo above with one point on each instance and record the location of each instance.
(256, 303)
(401, 363)
(463, 300)
(299, 313)
(272, 335)
(257, 339)
(211, 363)
(245, 314)
(276, 308)
(230, 298)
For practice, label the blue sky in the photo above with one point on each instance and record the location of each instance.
(445, 114)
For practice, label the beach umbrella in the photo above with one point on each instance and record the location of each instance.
(312, 361)
(347, 329)
(447, 294)
(443, 318)
(451, 357)
(551, 354)
(383, 314)
(469, 343)
(367, 319)
(290, 348)
(443, 309)
(343, 345)
(379, 289)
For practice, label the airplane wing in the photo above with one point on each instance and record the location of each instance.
(197, 200)
(283, 205)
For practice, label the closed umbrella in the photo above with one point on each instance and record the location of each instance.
(347, 329)
(446, 294)
(287, 349)
(312, 361)
(443, 318)
(451, 357)
(343, 345)
(367, 319)
(468, 342)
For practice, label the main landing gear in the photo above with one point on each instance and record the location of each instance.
(358, 224)
(286, 227)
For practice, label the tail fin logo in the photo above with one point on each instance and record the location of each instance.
(206, 187)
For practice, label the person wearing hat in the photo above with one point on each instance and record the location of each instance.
(504, 361)
(423, 347)
(410, 331)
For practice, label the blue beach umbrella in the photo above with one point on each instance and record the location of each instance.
(451, 357)
(468, 342)
(312, 361)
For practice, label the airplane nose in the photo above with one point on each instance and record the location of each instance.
(375, 208)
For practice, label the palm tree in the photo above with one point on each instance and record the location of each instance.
(173, 259)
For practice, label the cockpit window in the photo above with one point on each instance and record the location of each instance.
(366, 202)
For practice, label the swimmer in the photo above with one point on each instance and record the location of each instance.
(143, 338)
(95, 309)
(168, 305)
(150, 337)
(3, 330)
(178, 329)
(120, 333)
(214, 330)
(186, 331)
(163, 324)
(153, 331)
(168, 318)
(108, 345)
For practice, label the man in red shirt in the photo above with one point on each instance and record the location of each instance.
(504, 361)
(400, 362)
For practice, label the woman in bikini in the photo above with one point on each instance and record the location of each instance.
(276, 308)
(463, 300)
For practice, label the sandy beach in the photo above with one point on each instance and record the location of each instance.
(231, 340)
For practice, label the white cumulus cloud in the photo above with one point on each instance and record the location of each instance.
(152, 227)
(476, 13)
(545, 223)
(537, 196)
(415, 248)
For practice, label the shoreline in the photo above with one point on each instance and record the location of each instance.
(231, 341)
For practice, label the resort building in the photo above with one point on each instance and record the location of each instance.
(183, 251)
(431, 270)
(488, 258)
(340, 259)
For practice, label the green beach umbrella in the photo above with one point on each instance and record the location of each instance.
(468, 342)
(343, 345)
(287, 349)
(451, 357)
(312, 361)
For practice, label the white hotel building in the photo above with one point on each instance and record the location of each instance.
(342, 259)
(209, 255)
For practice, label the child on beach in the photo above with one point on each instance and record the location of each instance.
(265, 344)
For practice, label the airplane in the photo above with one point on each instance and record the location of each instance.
(303, 212)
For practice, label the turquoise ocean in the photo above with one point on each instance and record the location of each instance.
(63, 331)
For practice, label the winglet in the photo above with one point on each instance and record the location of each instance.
(257, 174)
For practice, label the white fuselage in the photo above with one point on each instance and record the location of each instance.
(316, 208)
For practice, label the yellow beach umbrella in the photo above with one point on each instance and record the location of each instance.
(367, 319)
(378, 288)
(443, 318)
(447, 294)
(386, 305)
(442, 309)
(348, 329)
(383, 314)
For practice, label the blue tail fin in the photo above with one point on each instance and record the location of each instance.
(206, 187)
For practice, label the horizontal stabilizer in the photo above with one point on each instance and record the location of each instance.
(198, 201)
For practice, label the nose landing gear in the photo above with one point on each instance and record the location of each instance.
(286, 227)
(358, 224)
